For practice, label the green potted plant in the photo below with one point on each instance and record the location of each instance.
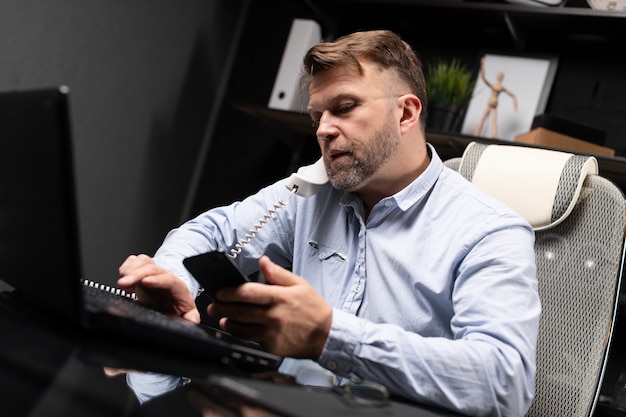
(450, 85)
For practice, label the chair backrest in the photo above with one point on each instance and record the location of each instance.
(578, 217)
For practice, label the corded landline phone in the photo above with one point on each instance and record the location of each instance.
(309, 182)
(216, 269)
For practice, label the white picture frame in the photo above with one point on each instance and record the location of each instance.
(528, 78)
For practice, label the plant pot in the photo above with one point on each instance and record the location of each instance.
(444, 117)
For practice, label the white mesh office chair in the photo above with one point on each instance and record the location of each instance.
(578, 218)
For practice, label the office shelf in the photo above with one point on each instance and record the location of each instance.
(448, 144)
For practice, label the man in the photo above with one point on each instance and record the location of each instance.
(399, 271)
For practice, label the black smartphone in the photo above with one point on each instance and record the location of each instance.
(215, 270)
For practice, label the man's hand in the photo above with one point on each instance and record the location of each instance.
(288, 318)
(157, 287)
(111, 372)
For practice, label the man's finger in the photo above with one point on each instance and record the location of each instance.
(276, 274)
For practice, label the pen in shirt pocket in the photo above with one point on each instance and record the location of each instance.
(326, 252)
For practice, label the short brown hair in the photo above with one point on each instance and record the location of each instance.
(382, 47)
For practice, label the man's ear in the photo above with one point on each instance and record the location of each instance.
(411, 111)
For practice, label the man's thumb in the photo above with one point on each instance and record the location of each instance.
(276, 274)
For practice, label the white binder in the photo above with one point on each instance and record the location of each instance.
(287, 93)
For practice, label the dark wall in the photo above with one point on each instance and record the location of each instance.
(248, 152)
(145, 77)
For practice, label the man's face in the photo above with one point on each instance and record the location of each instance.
(356, 127)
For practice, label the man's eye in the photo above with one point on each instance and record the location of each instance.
(344, 108)
(316, 123)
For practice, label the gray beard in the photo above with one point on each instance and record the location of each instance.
(368, 157)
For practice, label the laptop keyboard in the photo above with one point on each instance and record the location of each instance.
(101, 300)
(108, 288)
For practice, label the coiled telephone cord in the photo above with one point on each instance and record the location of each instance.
(261, 223)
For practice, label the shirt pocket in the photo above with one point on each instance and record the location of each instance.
(326, 253)
(327, 269)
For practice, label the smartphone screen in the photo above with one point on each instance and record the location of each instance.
(215, 270)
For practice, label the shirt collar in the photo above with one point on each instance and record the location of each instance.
(413, 192)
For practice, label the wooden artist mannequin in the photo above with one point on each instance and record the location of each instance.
(492, 104)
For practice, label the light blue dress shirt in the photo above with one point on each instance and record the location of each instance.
(434, 295)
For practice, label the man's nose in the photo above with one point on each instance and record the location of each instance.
(327, 127)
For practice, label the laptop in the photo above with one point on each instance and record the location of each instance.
(40, 254)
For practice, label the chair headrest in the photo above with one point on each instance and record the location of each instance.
(540, 185)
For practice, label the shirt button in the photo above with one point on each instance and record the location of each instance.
(358, 288)
(322, 255)
(331, 365)
(388, 203)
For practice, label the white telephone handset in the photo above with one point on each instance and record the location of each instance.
(304, 184)
(309, 182)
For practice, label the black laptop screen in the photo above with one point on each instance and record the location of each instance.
(39, 243)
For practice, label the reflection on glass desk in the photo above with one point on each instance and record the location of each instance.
(50, 369)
